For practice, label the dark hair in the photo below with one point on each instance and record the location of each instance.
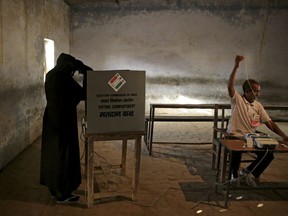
(247, 85)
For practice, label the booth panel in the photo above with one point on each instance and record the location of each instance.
(115, 101)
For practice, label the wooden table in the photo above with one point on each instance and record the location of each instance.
(89, 159)
(276, 113)
(175, 118)
(223, 176)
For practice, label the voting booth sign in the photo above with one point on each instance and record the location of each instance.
(115, 101)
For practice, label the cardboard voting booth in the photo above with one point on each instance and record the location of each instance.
(115, 101)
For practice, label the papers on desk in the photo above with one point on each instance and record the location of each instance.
(284, 145)
(260, 140)
(265, 143)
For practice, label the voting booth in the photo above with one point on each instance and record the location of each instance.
(115, 101)
(115, 110)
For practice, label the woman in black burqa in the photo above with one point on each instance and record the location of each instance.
(60, 160)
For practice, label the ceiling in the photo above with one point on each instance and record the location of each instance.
(229, 2)
(79, 2)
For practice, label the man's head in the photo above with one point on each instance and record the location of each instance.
(251, 89)
(67, 64)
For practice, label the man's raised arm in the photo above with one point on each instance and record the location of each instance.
(231, 84)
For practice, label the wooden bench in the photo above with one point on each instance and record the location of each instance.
(279, 119)
(162, 118)
(149, 120)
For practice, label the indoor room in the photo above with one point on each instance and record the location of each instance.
(157, 80)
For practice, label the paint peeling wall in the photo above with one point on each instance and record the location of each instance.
(24, 25)
(187, 47)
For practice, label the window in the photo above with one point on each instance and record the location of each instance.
(49, 55)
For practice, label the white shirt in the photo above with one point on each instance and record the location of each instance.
(245, 116)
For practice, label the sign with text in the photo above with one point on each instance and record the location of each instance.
(115, 101)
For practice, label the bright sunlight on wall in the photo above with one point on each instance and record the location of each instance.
(49, 55)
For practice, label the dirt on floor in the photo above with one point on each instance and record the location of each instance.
(176, 180)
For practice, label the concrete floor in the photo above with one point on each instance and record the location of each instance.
(176, 180)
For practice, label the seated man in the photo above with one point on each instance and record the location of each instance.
(246, 114)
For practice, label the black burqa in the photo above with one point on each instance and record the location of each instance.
(60, 160)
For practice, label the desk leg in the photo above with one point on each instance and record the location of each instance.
(224, 166)
(89, 159)
(149, 130)
(123, 157)
(152, 114)
(219, 151)
(214, 146)
(228, 178)
(137, 157)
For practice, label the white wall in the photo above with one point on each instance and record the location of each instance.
(187, 47)
(24, 25)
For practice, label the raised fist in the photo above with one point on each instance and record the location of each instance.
(239, 58)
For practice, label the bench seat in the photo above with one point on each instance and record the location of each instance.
(183, 118)
(279, 119)
(163, 118)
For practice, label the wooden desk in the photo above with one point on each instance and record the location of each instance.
(178, 118)
(89, 159)
(276, 113)
(231, 146)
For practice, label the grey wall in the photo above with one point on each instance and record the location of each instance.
(187, 47)
(24, 25)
